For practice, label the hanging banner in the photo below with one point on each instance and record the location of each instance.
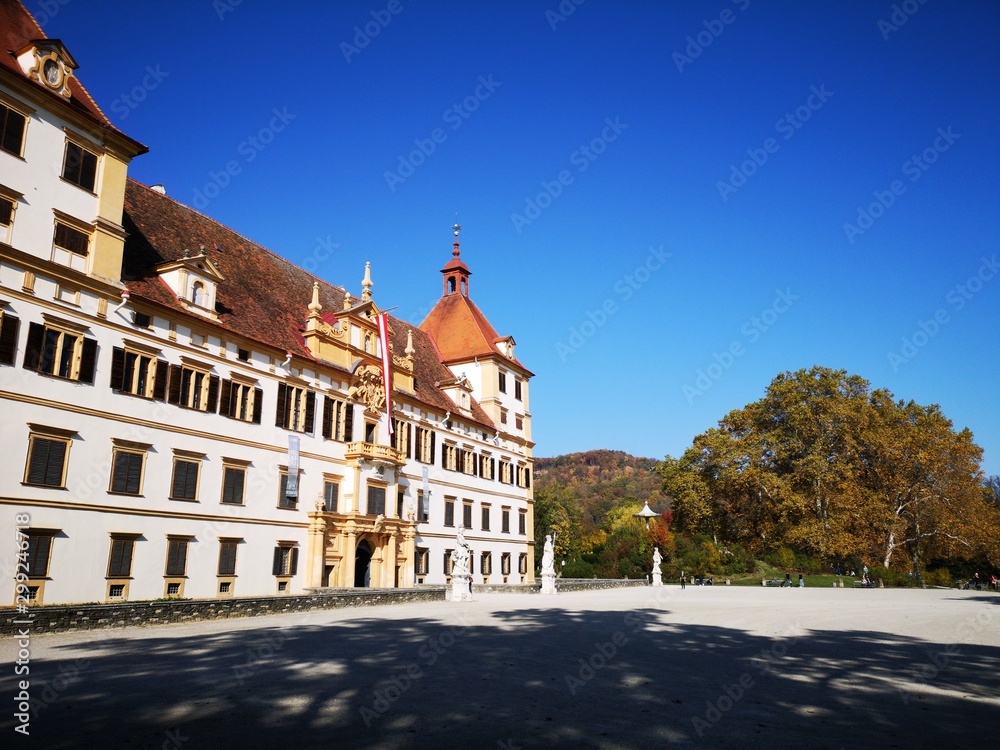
(292, 485)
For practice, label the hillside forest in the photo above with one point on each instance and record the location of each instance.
(822, 470)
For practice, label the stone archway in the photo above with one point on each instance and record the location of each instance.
(362, 565)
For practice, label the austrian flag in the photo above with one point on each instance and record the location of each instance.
(383, 336)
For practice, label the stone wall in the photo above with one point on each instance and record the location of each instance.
(58, 618)
(562, 584)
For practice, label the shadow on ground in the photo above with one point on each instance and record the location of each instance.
(531, 678)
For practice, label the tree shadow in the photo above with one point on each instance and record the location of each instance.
(529, 678)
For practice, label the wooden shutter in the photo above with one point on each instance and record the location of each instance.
(33, 347)
(38, 564)
(119, 479)
(432, 448)
(121, 558)
(54, 468)
(409, 441)
(174, 390)
(8, 339)
(225, 403)
(276, 565)
(258, 404)
(176, 557)
(88, 361)
(293, 566)
(118, 369)
(348, 422)
(310, 412)
(279, 413)
(227, 558)
(160, 380)
(327, 421)
(213, 394)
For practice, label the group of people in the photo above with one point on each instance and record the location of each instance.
(697, 580)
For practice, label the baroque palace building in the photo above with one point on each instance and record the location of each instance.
(187, 414)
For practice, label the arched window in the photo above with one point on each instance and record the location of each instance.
(198, 293)
(451, 285)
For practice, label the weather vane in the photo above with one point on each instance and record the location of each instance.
(457, 228)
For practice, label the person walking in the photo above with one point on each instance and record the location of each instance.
(683, 581)
(802, 584)
(788, 580)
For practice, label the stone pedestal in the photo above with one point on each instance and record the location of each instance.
(657, 577)
(548, 583)
(460, 589)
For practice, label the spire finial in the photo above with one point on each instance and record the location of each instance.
(314, 305)
(366, 283)
(409, 344)
(456, 229)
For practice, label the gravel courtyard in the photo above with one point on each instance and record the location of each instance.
(632, 668)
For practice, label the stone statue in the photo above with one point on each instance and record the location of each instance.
(461, 581)
(657, 574)
(548, 557)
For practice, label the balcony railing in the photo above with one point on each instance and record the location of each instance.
(375, 452)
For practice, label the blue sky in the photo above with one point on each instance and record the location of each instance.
(665, 204)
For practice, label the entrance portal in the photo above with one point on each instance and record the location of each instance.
(362, 566)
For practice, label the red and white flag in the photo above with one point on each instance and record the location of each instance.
(383, 336)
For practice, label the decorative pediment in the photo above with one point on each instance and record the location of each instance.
(48, 62)
(194, 279)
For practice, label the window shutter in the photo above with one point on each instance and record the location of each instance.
(88, 361)
(213, 393)
(227, 559)
(134, 473)
(409, 441)
(160, 380)
(39, 566)
(36, 463)
(348, 422)
(191, 483)
(117, 369)
(117, 553)
(310, 412)
(327, 422)
(33, 347)
(279, 413)
(173, 557)
(276, 566)
(174, 390)
(258, 404)
(225, 403)
(527, 478)
(493, 468)
(444, 457)
(126, 567)
(432, 449)
(8, 339)
(228, 485)
(119, 481)
(54, 469)
(293, 566)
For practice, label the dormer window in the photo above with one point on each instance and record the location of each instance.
(194, 281)
(48, 62)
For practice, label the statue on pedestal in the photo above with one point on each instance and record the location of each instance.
(548, 567)
(461, 581)
(657, 574)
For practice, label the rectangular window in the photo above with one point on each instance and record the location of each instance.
(193, 388)
(243, 354)
(371, 432)
(486, 564)
(506, 472)
(503, 416)
(141, 320)
(401, 436)
(227, 556)
(338, 420)
(184, 485)
(505, 563)
(486, 518)
(39, 552)
(503, 382)
(376, 501)
(469, 462)
(233, 482)
(331, 491)
(523, 477)
(9, 326)
(61, 352)
(12, 126)
(487, 467)
(70, 239)
(425, 445)
(296, 408)
(449, 457)
(286, 559)
(46, 465)
(126, 471)
(517, 389)
(80, 166)
(120, 557)
(467, 515)
(241, 400)
(505, 520)
(522, 522)
(6, 218)
(287, 499)
(449, 512)
(423, 561)
(522, 563)
(423, 507)
(448, 568)
(519, 422)
(177, 556)
(138, 374)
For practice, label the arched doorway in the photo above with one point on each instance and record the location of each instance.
(362, 566)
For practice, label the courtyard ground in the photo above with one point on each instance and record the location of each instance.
(729, 667)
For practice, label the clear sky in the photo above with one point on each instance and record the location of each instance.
(666, 204)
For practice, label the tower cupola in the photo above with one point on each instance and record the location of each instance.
(456, 273)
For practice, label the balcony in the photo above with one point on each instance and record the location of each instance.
(375, 453)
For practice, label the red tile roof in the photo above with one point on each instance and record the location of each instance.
(462, 332)
(19, 28)
(264, 297)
